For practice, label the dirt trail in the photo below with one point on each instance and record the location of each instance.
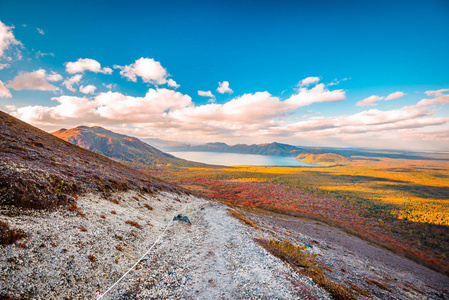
(216, 258)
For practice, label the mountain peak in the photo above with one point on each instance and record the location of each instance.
(129, 150)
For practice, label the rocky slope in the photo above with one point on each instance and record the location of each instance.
(39, 170)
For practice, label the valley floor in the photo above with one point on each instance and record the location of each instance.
(69, 256)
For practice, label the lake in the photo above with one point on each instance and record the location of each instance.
(237, 159)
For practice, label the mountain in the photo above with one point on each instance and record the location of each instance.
(325, 158)
(126, 149)
(275, 149)
(40, 170)
(278, 149)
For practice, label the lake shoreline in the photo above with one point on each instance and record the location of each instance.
(239, 159)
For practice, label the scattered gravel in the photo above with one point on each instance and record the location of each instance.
(70, 256)
(350, 259)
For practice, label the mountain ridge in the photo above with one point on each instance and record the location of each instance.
(126, 149)
(273, 149)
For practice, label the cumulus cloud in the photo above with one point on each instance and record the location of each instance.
(206, 94)
(88, 89)
(119, 107)
(36, 80)
(7, 39)
(86, 64)
(4, 66)
(4, 92)
(371, 100)
(106, 108)
(172, 115)
(148, 69)
(69, 82)
(166, 109)
(223, 87)
(394, 96)
(54, 77)
(436, 93)
(317, 94)
(172, 83)
(249, 108)
(372, 120)
(308, 81)
(439, 98)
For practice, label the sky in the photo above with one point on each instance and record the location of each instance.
(315, 73)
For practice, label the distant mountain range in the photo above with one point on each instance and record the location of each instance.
(125, 149)
(279, 149)
(275, 149)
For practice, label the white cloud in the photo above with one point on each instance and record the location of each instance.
(206, 94)
(308, 81)
(172, 83)
(394, 96)
(86, 64)
(88, 89)
(436, 93)
(249, 108)
(148, 69)
(4, 66)
(69, 82)
(372, 120)
(4, 92)
(7, 39)
(371, 100)
(317, 94)
(54, 77)
(259, 116)
(36, 80)
(223, 87)
(110, 86)
(40, 31)
(107, 108)
(42, 54)
(440, 98)
(153, 106)
(336, 81)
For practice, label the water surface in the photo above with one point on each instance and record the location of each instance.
(237, 159)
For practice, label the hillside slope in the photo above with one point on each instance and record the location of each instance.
(126, 149)
(324, 159)
(39, 170)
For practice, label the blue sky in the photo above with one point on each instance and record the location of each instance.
(369, 48)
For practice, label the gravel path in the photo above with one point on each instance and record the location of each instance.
(216, 258)
(70, 256)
